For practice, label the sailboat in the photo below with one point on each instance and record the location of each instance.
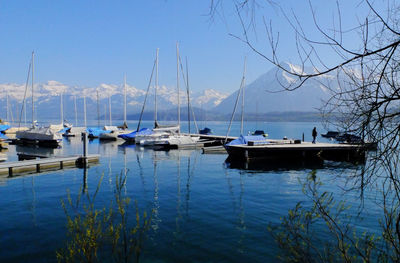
(42, 136)
(159, 132)
(114, 134)
(179, 140)
(13, 130)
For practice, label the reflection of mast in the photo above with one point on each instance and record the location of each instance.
(230, 186)
(156, 204)
(125, 170)
(141, 174)
(109, 170)
(188, 187)
(189, 180)
(33, 202)
(178, 197)
(242, 225)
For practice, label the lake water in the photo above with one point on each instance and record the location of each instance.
(204, 211)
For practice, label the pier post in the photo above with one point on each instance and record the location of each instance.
(85, 148)
(303, 136)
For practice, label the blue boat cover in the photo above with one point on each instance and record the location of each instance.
(3, 137)
(4, 127)
(95, 132)
(129, 136)
(64, 130)
(245, 139)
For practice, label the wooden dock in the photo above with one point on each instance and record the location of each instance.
(39, 165)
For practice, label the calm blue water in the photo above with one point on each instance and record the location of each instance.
(203, 210)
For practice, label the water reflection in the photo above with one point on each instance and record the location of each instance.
(85, 183)
(155, 220)
(33, 151)
(275, 165)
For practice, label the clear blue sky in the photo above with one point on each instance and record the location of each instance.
(85, 43)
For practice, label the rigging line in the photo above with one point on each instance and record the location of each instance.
(186, 81)
(243, 85)
(188, 95)
(26, 89)
(145, 98)
(234, 109)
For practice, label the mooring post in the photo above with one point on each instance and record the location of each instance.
(85, 148)
(303, 136)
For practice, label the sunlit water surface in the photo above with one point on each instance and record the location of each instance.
(203, 211)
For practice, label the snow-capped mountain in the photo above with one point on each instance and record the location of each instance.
(48, 99)
(265, 94)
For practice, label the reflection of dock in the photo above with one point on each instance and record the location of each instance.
(36, 166)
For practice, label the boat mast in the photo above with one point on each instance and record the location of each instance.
(98, 110)
(84, 110)
(243, 84)
(177, 85)
(155, 92)
(145, 97)
(24, 105)
(105, 114)
(188, 95)
(125, 100)
(109, 108)
(8, 107)
(61, 108)
(33, 105)
(236, 104)
(76, 112)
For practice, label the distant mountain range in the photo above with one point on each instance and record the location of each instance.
(262, 102)
(48, 99)
(266, 93)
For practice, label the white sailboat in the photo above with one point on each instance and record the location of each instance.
(160, 132)
(179, 140)
(35, 135)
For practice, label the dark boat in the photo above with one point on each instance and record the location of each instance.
(348, 138)
(330, 134)
(205, 131)
(258, 148)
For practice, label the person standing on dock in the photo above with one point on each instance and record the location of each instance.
(314, 134)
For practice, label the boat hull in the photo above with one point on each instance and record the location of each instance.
(290, 152)
(39, 136)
